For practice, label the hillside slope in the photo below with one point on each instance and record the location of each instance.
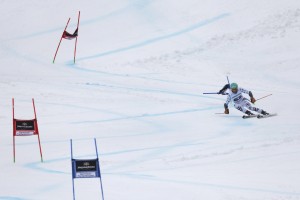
(137, 87)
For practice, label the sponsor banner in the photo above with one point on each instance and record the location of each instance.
(85, 168)
(25, 125)
(24, 133)
(86, 165)
(86, 175)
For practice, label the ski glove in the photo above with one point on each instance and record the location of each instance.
(226, 111)
(253, 100)
(221, 92)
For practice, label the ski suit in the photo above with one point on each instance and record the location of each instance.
(241, 103)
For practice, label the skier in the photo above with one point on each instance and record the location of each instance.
(241, 103)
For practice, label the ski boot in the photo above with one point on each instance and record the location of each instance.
(264, 112)
(249, 113)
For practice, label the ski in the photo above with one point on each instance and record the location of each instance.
(265, 116)
(249, 116)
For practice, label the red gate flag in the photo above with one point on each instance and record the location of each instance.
(69, 36)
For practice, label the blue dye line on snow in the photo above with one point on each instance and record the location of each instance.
(127, 75)
(11, 198)
(227, 187)
(37, 166)
(147, 115)
(74, 23)
(160, 38)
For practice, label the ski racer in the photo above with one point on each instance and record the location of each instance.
(241, 103)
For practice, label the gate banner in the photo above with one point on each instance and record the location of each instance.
(69, 36)
(25, 127)
(85, 168)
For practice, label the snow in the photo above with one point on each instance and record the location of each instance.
(137, 87)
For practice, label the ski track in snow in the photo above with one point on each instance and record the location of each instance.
(12, 198)
(84, 22)
(227, 187)
(138, 175)
(157, 39)
(128, 76)
(154, 149)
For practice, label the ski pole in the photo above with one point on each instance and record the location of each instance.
(214, 93)
(210, 93)
(228, 80)
(264, 97)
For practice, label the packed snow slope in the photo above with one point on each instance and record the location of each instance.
(137, 87)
